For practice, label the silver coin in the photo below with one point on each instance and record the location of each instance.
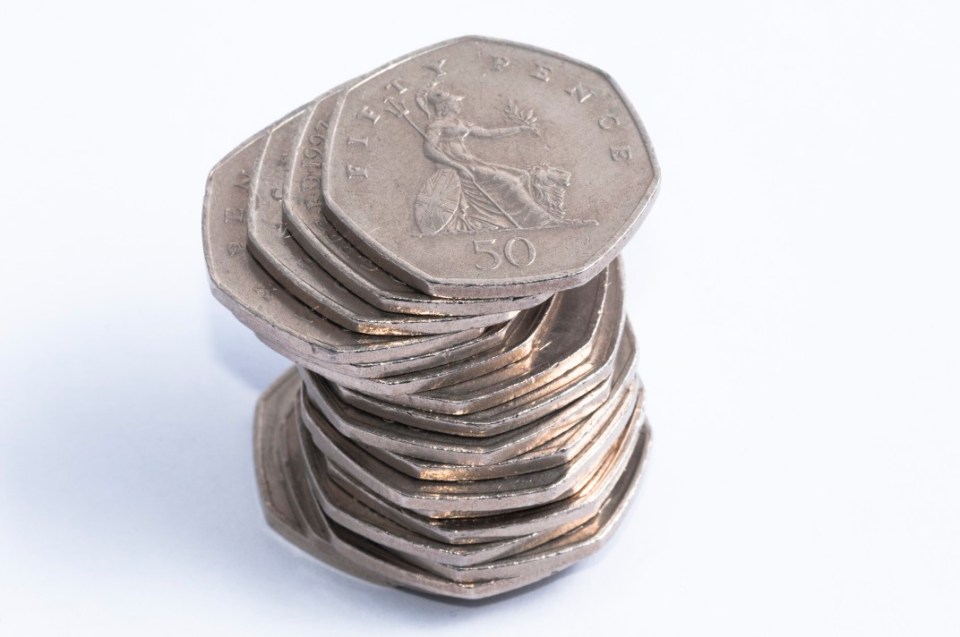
(462, 563)
(529, 566)
(517, 412)
(467, 499)
(305, 220)
(261, 304)
(521, 337)
(340, 506)
(556, 447)
(488, 339)
(572, 328)
(323, 538)
(273, 246)
(577, 508)
(429, 455)
(555, 452)
(434, 245)
(282, 479)
(481, 168)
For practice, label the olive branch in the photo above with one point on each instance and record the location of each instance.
(521, 117)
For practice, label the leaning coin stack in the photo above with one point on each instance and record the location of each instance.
(434, 245)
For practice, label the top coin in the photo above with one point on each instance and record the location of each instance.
(479, 168)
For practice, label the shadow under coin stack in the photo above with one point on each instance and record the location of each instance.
(434, 245)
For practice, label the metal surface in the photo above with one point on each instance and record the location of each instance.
(427, 453)
(306, 221)
(283, 461)
(482, 168)
(465, 418)
(260, 303)
(273, 246)
(522, 336)
(465, 499)
(511, 414)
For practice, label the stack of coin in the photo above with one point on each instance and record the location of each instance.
(434, 245)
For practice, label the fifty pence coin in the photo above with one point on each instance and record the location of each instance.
(306, 221)
(481, 168)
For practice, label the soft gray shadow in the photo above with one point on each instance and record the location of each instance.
(241, 353)
(145, 457)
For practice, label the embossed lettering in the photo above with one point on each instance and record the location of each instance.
(510, 252)
(243, 180)
(484, 246)
(581, 93)
(276, 194)
(621, 153)
(437, 67)
(514, 256)
(234, 214)
(398, 86)
(357, 141)
(264, 292)
(368, 113)
(234, 248)
(312, 156)
(310, 182)
(500, 62)
(542, 73)
(358, 172)
(606, 122)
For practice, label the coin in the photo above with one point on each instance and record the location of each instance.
(521, 337)
(499, 575)
(319, 536)
(434, 245)
(572, 328)
(556, 451)
(305, 220)
(562, 180)
(273, 246)
(445, 454)
(467, 499)
(259, 302)
(341, 507)
(488, 339)
(285, 506)
(511, 414)
(581, 506)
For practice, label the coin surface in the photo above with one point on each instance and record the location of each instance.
(260, 303)
(437, 456)
(434, 245)
(274, 247)
(282, 479)
(520, 338)
(566, 331)
(306, 221)
(481, 168)
(467, 499)
(284, 460)
(579, 507)
(516, 412)
(489, 338)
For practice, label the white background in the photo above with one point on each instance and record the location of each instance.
(795, 293)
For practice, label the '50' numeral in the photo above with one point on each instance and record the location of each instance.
(515, 256)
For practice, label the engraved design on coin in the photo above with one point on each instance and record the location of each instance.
(470, 194)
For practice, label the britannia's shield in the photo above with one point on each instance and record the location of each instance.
(437, 201)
